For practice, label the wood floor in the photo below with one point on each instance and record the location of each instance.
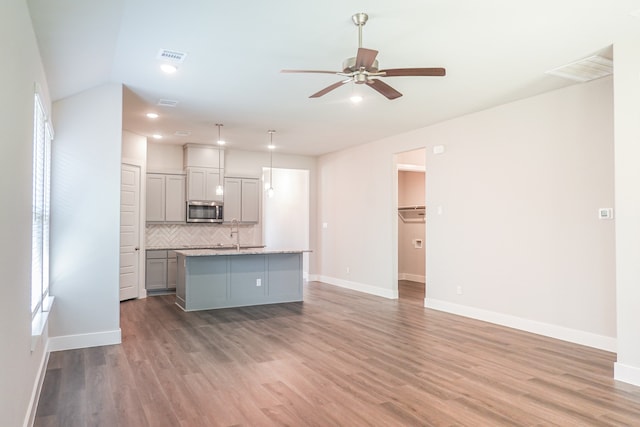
(341, 358)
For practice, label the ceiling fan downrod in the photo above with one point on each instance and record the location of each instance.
(359, 19)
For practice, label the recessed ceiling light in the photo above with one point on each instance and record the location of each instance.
(152, 115)
(168, 68)
(157, 136)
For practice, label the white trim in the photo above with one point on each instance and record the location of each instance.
(35, 393)
(313, 278)
(360, 287)
(546, 329)
(411, 168)
(70, 342)
(39, 321)
(626, 373)
(412, 277)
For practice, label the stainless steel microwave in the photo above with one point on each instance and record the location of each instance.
(204, 211)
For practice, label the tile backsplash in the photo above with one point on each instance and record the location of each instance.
(183, 235)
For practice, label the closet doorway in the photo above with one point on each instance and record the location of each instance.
(411, 192)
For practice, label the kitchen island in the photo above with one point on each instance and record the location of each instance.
(221, 278)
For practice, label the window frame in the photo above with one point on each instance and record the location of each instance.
(40, 300)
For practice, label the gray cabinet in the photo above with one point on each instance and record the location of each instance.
(202, 183)
(161, 270)
(204, 165)
(242, 199)
(165, 194)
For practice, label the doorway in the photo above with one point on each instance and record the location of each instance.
(411, 196)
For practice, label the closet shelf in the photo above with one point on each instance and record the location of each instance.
(415, 213)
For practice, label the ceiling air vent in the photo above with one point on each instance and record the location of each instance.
(167, 102)
(171, 56)
(587, 69)
(182, 133)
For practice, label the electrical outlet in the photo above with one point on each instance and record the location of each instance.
(348, 270)
(258, 282)
(459, 290)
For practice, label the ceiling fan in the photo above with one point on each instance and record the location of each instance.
(363, 68)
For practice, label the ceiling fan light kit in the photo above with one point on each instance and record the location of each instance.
(364, 68)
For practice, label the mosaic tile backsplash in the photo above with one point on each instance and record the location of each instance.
(198, 235)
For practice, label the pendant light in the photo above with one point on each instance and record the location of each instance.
(270, 190)
(219, 188)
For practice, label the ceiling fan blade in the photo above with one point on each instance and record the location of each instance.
(384, 89)
(329, 88)
(365, 58)
(395, 72)
(309, 71)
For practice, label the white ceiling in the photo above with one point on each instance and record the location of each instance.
(495, 51)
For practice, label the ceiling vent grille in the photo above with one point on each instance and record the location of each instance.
(587, 69)
(171, 56)
(167, 103)
(182, 133)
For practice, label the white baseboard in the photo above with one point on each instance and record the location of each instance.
(37, 388)
(626, 373)
(360, 287)
(412, 277)
(70, 342)
(548, 330)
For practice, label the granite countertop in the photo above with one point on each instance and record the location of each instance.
(243, 251)
(188, 247)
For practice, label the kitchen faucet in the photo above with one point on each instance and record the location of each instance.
(237, 231)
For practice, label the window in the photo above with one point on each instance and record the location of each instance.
(42, 136)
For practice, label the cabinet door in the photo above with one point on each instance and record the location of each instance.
(155, 197)
(156, 274)
(232, 199)
(196, 182)
(175, 207)
(212, 180)
(250, 200)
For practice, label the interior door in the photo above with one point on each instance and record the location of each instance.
(129, 231)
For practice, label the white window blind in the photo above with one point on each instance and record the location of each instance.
(42, 136)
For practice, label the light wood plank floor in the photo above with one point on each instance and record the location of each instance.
(341, 358)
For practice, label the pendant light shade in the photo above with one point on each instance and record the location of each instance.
(270, 190)
(219, 188)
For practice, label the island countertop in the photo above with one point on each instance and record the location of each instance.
(233, 251)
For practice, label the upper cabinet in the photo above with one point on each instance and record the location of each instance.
(166, 198)
(241, 199)
(204, 165)
(202, 183)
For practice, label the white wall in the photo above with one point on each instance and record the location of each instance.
(134, 147)
(519, 186)
(19, 367)
(85, 218)
(627, 161)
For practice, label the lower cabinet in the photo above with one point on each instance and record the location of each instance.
(161, 270)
